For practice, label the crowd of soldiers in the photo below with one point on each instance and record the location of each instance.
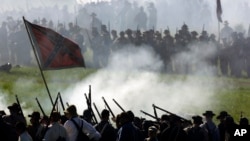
(125, 126)
(228, 55)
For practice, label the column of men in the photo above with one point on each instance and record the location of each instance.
(127, 127)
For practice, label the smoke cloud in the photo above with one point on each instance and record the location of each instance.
(134, 79)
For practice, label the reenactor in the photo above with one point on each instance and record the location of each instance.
(195, 132)
(97, 47)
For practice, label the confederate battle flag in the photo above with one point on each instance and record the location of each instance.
(53, 50)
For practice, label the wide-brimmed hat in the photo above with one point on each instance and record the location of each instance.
(208, 113)
(71, 110)
(197, 119)
(222, 114)
(14, 106)
(35, 115)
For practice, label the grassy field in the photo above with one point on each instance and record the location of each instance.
(27, 83)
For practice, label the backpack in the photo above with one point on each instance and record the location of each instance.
(80, 136)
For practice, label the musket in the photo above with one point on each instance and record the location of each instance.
(108, 107)
(203, 27)
(90, 108)
(40, 107)
(17, 100)
(147, 114)
(155, 112)
(60, 98)
(170, 113)
(54, 104)
(97, 111)
(118, 105)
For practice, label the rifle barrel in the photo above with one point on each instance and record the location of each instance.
(148, 114)
(118, 105)
(97, 111)
(40, 107)
(17, 100)
(108, 107)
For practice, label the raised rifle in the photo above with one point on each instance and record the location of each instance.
(21, 111)
(60, 98)
(40, 107)
(108, 107)
(183, 119)
(97, 111)
(147, 114)
(118, 105)
(155, 112)
(90, 108)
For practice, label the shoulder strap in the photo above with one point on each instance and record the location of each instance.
(79, 129)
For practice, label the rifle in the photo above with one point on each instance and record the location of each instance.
(19, 106)
(155, 112)
(40, 107)
(90, 108)
(118, 105)
(108, 107)
(60, 97)
(97, 111)
(147, 114)
(183, 119)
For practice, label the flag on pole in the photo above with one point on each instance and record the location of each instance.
(53, 50)
(219, 11)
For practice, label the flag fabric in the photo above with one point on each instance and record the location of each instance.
(219, 11)
(53, 50)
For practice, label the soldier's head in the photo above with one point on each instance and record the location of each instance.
(34, 117)
(208, 115)
(70, 111)
(55, 116)
(14, 108)
(197, 120)
(105, 114)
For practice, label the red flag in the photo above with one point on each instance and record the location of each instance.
(54, 51)
(219, 11)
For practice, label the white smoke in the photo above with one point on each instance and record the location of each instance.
(136, 83)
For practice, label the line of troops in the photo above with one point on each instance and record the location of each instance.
(229, 56)
(126, 127)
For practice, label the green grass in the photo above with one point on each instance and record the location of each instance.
(27, 83)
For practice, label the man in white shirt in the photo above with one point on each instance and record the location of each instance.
(72, 130)
(55, 129)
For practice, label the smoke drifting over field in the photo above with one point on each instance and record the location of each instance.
(134, 79)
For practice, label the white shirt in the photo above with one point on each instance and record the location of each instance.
(87, 128)
(55, 131)
(25, 137)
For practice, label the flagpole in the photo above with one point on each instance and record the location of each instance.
(39, 65)
(219, 31)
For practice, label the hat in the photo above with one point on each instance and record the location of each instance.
(14, 106)
(223, 114)
(226, 23)
(208, 113)
(71, 110)
(197, 119)
(35, 115)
